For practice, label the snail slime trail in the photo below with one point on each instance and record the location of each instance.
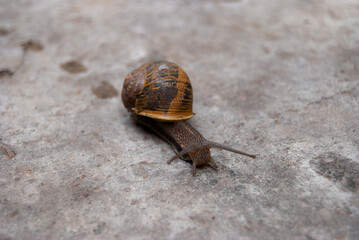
(159, 94)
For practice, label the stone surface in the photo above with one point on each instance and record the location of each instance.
(276, 78)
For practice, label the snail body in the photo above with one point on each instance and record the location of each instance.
(160, 95)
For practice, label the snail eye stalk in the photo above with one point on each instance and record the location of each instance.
(223, 147)
(181, 153)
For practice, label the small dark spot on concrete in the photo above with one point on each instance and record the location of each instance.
(100, 228)
(135, 202)
(213, 181)
(213, 217)
(127, 189)
(6, 73)
(73, 67)
(14, 213)
(143, 162)
(8, 151)
(31, 45)
(105, 90)
(266, 50)
(4, 31)
(338, 169)
(31, 180)
(247, 228)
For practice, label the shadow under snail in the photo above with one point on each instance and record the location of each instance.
(159, 93)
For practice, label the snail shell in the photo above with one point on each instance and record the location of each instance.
(160, 90)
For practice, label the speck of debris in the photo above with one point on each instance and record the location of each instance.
(6, 73)
(105, 90)
(32, 45)
(73, 67)
(7, 150)
(4, 31)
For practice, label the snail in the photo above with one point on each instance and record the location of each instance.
(159, 94)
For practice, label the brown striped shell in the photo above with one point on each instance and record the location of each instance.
(160, 90)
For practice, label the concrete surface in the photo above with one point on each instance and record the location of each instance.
(276, 78)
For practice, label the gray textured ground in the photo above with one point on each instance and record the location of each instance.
(276, 78)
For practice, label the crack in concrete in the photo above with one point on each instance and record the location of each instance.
(325, 98)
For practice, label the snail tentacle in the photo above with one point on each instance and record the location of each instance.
(223, 147)
(181, 153)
